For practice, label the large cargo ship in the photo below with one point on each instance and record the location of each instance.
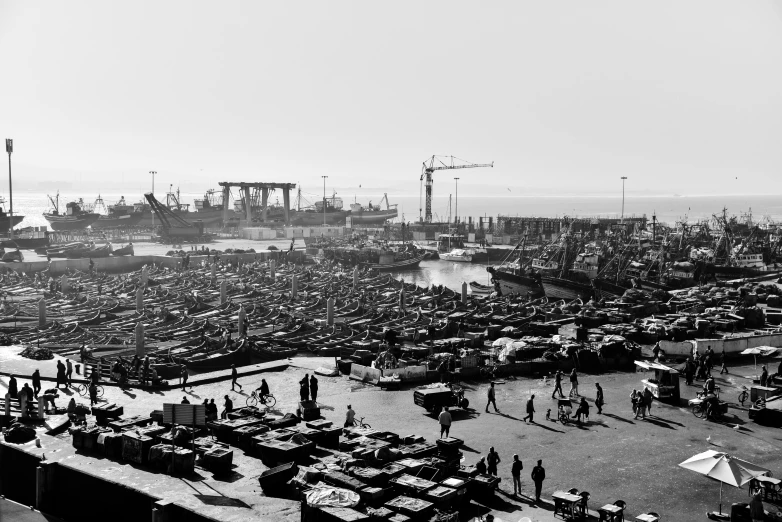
(5, 218)
(372, 214)
(209, 210)
(315, 215)
(74, 218)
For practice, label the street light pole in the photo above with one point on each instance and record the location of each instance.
(457, 201)
(623, 199)
(9, 148)
(324, 199)
(153, 172)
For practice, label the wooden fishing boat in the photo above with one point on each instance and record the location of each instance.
(268, 352)
(480, 289)
(124, 251)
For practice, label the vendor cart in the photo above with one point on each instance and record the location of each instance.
(665, 383)
(433, 399)
(699, 406)
(564, 409)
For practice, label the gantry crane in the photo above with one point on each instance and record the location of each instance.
(430, 165)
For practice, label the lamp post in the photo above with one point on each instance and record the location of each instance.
(324, 199)
(9, 148)
(457, 201)
(153, 172)
(623, 199)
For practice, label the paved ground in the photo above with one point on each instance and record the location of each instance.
(613, 456)
(12, 511)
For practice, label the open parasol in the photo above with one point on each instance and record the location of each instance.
(723, 468)
(759, 350)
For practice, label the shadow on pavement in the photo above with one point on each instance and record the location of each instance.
(617, 417)
(659, 423)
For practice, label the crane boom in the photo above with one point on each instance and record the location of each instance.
(428, 169)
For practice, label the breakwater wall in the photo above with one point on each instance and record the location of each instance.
(731, 345)
(123, 264)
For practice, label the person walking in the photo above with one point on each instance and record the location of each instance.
(557, 385)
(36, 382)
(648, 398)
(756, 510)
(304, 388)
(763, 376)
(493, 459)
(183, 375)
(515, 471)
(314, 388)
(445, 422)
(538, 475)
(599, 401)
(184, 400)
(68, 373)
(234, 376)
(638, 404)
(530, 409)
(724, 368)
(13, 387)
(491, 400)
(573, 384)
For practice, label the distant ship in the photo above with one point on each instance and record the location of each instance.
(315, 214)
(369, 215)
(209, 209)
(119, 215)
(4, 217)
(74, 218)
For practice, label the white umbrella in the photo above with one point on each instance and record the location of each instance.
(724, 468)
(759, 350)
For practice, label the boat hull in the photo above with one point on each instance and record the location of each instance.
(456, 259)
(128, 220)
(61, 223)
(211, 217)
(370, 217)
(557, 288)
(405, 264)
(303, 218)
(508, 283)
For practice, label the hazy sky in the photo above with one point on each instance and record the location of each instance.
(680, 96)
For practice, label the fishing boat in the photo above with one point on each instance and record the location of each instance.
(124, 251)
(457, 255)
(28, 238)
(119, 215)
(372, 214)
(5, 218)
(334, 214)
(477, 288)
(74, 218)
(508, 281)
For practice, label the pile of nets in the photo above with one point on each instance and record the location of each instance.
(36, 353)
(6, 340)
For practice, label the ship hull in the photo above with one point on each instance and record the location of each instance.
(557, 288)
(4, 221)
(369, 218)
(128, 220)
(508, 283)
(302, 218)
(211, 218)
(62, 223)
(404, 264)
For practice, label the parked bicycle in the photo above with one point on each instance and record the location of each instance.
(267, 400)
(84, 390)
(361, 424)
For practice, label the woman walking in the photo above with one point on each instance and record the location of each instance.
(573, 384)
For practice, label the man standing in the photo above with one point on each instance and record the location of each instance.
(490, 394)
(599, 398)
(530, 409)
(234, 376)
(68, 372)
(763, 377)
(573, 384)
(445, 422)
(304, 388)
(724, 368)
(314, 388)
(493, 459)
(538, 475)
(229, 407)
(37, 382)
(557, 385)
(515, 471)
(183, 375)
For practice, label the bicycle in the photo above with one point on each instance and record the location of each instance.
(84, 390)
(361, 424)
(743, 395)
(267, 400)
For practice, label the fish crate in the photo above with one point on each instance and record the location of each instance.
(387, 436)
(218, 460)
(78, 438)
(394, 469)
(338, 514)
(330, 437)
(309, 410)
(91, 438)
(112, 445)
(370, 476)
(104, 412)
(415, 508)
(129, 423)
(399, 517)
(441, 496)
(340, 480)
(449, 445)
(318, 424)
(135, 448)
(243, 435)
(484, 486)
(184, 462)
(286, 421)
(276, 479)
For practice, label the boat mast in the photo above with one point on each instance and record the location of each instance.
(9, 148)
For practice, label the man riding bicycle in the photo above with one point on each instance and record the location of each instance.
(263, 390)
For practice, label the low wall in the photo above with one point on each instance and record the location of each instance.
(116, 265)
(731, 345)
(372, 375)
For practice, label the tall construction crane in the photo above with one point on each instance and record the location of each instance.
(438, 163)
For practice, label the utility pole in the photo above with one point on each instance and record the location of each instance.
(623, 199)
(9, 148)
(324, 199)
(457, 201)
(153, 172)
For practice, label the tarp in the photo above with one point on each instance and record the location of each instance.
(323, 495)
